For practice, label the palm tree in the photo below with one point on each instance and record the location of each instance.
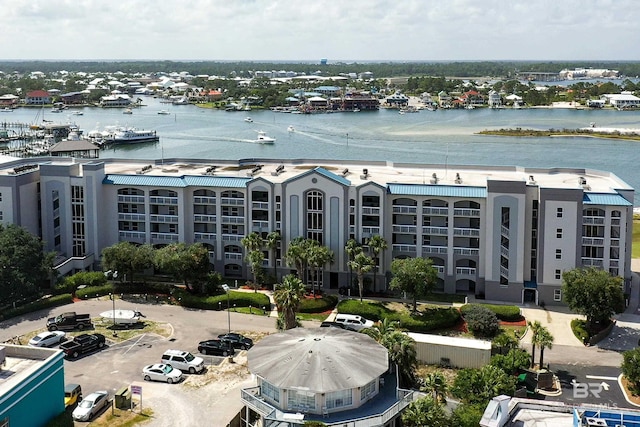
(436, 384)
(402, 353)
(351, 248)
(377, 244)
(380, 329)
(361, 263)
(255, 259)
(272, 242)
(252, 242)
(535, 338)
(318, 257)
(288, 297)
(545, 340)
(296, 256)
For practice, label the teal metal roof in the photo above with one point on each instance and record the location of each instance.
(176, 181)
(438, 190)
(339, 178)
(605, 199)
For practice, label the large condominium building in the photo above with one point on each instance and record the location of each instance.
(503, 233)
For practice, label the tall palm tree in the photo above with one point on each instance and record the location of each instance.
(377, 244)
(402, 353)
(318, 257)
(255, 260)
(361, 263)
(288, 297)
(535, 339)
(436, 384)
(380, 329)
(252, 242)
(351, 248)
(296, 256)
(272, 242)
(545, 340)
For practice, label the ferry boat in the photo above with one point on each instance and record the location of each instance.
(130, 136)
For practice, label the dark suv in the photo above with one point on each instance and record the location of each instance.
(237, 340)
(216, 347)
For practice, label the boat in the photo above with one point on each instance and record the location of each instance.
(7, 110)
(56, 110)
(129, 135)
(122, 317)
(164, 112)
(127, 111)
(77, 113)
(264, 139)
(248, 119)
(291, 128)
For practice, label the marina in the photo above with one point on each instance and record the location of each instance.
(445, 137)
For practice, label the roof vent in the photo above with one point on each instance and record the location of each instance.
(531, 181)
(458, 179)
(255, 170)
(365, 173)
(434, 178)
(583, 183)
(345, 171)
(211, 170)
(144, 169)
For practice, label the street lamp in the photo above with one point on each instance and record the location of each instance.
(226, 290)
(112, 297)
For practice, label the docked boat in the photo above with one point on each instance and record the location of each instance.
(127, 111)
(130, 135)
(248, 120)
(164, 112)
(264, 139)
(7, 110)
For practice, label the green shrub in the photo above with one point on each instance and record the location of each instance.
(481, 321)
(369, 310)
(53, 301)
(507, 313)
(219, 302)
(143, 288)
(579, 328)
(318, 305)
(94, 291)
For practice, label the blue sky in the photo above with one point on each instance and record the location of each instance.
(270, 30)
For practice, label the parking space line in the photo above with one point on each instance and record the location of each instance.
(135, 343)
(598, 377)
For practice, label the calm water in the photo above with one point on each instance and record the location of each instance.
(427, 137)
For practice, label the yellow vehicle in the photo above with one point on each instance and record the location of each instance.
(72, 394)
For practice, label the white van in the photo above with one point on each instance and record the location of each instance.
(183, 360)
(353, 321)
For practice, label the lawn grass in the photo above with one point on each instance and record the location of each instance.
(635, 241)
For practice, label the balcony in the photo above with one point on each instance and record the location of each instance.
(465, 271)
(165, 237)
(593, 241)
(260, 225)
(405, 248)
(405, 209)
(466, 251)
(157, 200)
(260, 205)
(226, 219)
(137, 235)
(204, 218)
(370, 211)
(432, 211)
(232, 237)
(130, 199)
(438, 231)
(434, 249)
(468, 232)
(593, 220)
(439, 268)
(230, 201)
(408, 229)
(204, 237)
(592, 262)
(370, 231)
(136, 217)
(165, 219)
(467, 212)
(232, 256)
(203, 200)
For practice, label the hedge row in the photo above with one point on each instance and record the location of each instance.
(53, 301)
(219, 302)
(579, 329)
(429, 320)
(318, 305)
(95, 291)
(507, 313)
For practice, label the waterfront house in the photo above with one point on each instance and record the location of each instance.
(622, 101)
(120, 100)
(494, 99)
(37, 97)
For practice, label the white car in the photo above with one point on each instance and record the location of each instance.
(90, 406)
(161, 372)
(47, 339)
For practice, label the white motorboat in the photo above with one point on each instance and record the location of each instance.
(164, 112)
(77, 113)
(122, 317)
(127, 111)
(264, 139)
(7, 110)
(291, 128)
(248, 119)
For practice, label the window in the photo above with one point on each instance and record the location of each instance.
(558, 253)
(339, 399)
(559, 233)
(301, 400)
(558, 274)
(559, 213)
(0, 197)
(270, 391)
(1, 216)
(367, 390)
(557, 294)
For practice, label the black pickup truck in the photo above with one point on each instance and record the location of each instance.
(69, 321)
(83, 343)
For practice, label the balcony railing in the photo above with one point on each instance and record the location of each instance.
(465, 271)
(226, 219)
(230, 201)
(474, 213)
(434, 249)
(593, 241)
(405, 248)
(427, 210)
(132, 234)
(504, 271)
(504, 230)
(166, 219)
(122, 198)
(466, 251)
(260, 205)
(592, 262)
(138, 217)
(158, 200)
(370, 231)
(439, 268)
(411, 229)
(168, 237)
(204, 218)
(204, 200)
(472, 232)
(598, 220)
(232, 256)
(370, 211)
(260, 225)
(232, 237)
(439, 231)
(199, 237)
(504, 252)
(405, 209)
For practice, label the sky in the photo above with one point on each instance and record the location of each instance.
(308, 30)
